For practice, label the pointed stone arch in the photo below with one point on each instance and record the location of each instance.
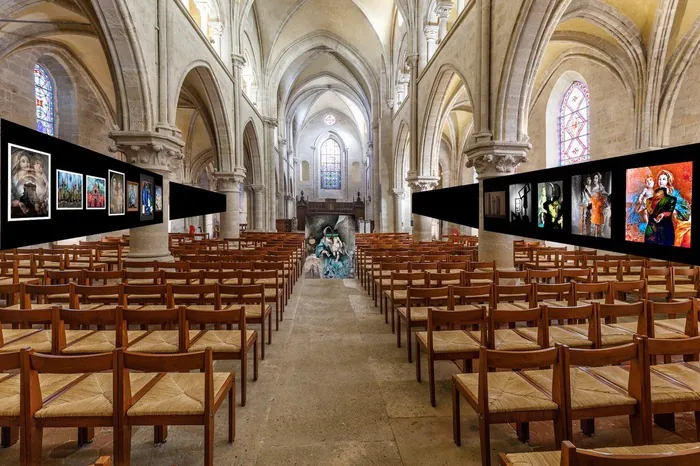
(251, 150)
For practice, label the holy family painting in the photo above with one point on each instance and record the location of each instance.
(659, 204)
(330, 246)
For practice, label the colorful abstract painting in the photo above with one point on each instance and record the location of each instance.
(330, 246)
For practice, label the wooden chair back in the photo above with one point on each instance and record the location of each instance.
(592, 290)
(85, 319)
(498, 318)
(619, 290)
(555, 291)
(189, 277)
(470, 294)
(578, 275)
(472, 278)
(445, 278)
(193, 293)
(520, 275)
(93, 276)
(156, 277)
(453, 266)
(483, 265)
(544, 276)
(607, 268)
(571, 456)
(687, 308)
(172, 266)
(63, 277)
(43, 293)
(84, 294)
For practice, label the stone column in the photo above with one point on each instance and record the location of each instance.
(270, 207)
(443, 8)
(238, 62)
(216, 31)
(422, 226)
(431, 36)
(399, 196)
(259, 201)
(229, 184)
(161, 154)
(492, 159)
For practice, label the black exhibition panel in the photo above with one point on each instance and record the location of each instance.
(64, 223)
(459, 204)
(614, 171)
(188, 201)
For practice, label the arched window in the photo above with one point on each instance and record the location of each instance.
(44, 101)
(330, 164)
(574, 125)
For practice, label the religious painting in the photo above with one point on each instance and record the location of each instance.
(330, 246)
(591, 206)
(147, 196)
(132, 196)
(520, 204)
(550, 210)
(69, 190)
(96, 191)
(159, 199)
(659, 204)
(495, 204)
(116, 193)
(29, 196)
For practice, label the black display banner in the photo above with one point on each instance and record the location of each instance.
(54, 190)
(459, 204)
(188, 201)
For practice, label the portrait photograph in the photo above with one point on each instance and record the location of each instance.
(147, 197)
(550, 210)
(591, 207)
(132, 196)
(495, 204)
(659, 204)
(116, 193)
(96, 192)
(69, 190)
(29, 196)
(520, 204)
(159, 199)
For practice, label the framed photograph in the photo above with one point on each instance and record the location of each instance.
(29, 188)
(591, 204)
(147, 197)
(96, 192)
(659, 204)
(132, 196)
(520, 204)
(550, 209)
(495, 204)
(69, 190)
(116, 193)
(159, 199)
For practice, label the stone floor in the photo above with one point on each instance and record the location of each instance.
(335, 390)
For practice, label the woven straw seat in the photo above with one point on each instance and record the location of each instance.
(143, 297)
(26, 338)
(553, 458)
(480, 281)
(510, 340)
(464, 307)
(91, 397)
(659, 332)
(18, 307)
(510, 391)
(398, 294)
(10, 393)
(176, 394)
(221, 341)
(252, 311)
(688, 289)
(201, 307)
(189, 297)
(450, 341)
(535, 458)
(140, 281)
(153, 307)
(561, 334)
(157, 341)
(556, 302)
(607, 278)
(512, 306)
(683, 373)
(103, 341)
(677, 325)
(418, 313)
(588, 392)
(103, 297)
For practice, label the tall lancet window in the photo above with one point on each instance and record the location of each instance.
(44, 100)
(330, 164)
(574, 125)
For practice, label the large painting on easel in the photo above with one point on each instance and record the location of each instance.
(330, 246)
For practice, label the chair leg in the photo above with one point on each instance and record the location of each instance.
(393, 311)
(244, 376)
(666, 421)
(262, 341)
(697, 425)
(418, 374)
(523, 431)
(408, 341)
(232, 413)
(559, 435)
(85, 435)
(269, 328)
(637, 429)
(255, 361)
(431, 378)
(456, 419)
(123, 452)
(8, 436)
(485, 441)
(398, 332)
(588, 426)
(209, 441)
(32, 449)
(386, 310)
(160, 434)
(277, 318)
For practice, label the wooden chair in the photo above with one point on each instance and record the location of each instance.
(165, 339)
(225, 344)
(183, 277)
(574, 335)
(138, 277)
(621, 290)
(92, 297)
(512, 277)
(274, 293)
(685, 283)
(673, 327)
(86, 333)
(475, 278)
(165, 392)
(449, 338)
(46, 296)
(591, 389)
(522, 394)
(440, 279)
(632, 269)
(589, 293)
(252, 299)
(659, 282)
(415, 312)
(64, 277)
(482, 266)
(383, 282)
(85, 401)
(544, 275)
(453, 266)
(584, 275)
(172, 266)
(10, 418)
(397, 293)
(23, 333)
(221, 276)
(611, 332)
(555, 294)
(200, 295)
(465, 298)
(607, 270)
(512, 297)
(512, 338)
(107, 278)
(137, 296)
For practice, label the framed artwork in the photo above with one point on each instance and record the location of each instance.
(116, 193)
(69, 190)
(147, 197)
(591, 204)
(159, 199)
(550, 210)
(29, 188)
(96, 192)
(495, 204)
(132, 196)
(330, 246)
(520, 204)
(659, 204)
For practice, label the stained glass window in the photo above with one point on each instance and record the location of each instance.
(44, 97)
(330, 165)
(574, 125)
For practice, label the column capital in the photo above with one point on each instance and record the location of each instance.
(412, 60)
(149, 150)
(496, 158)
(390, 103)
(216, 28)
(431, 32)
(228, 181)
(443, 8)
(399, 193)
(238, 60)
(258, 188)
(418, 184)
(269, 122)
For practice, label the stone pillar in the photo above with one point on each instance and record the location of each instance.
(399, 196)
(422, 226)
(229, 184)
(259, 202)
(268, 203)
(161, 154)
(431, 36)
(443, 8)
(492, 159)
